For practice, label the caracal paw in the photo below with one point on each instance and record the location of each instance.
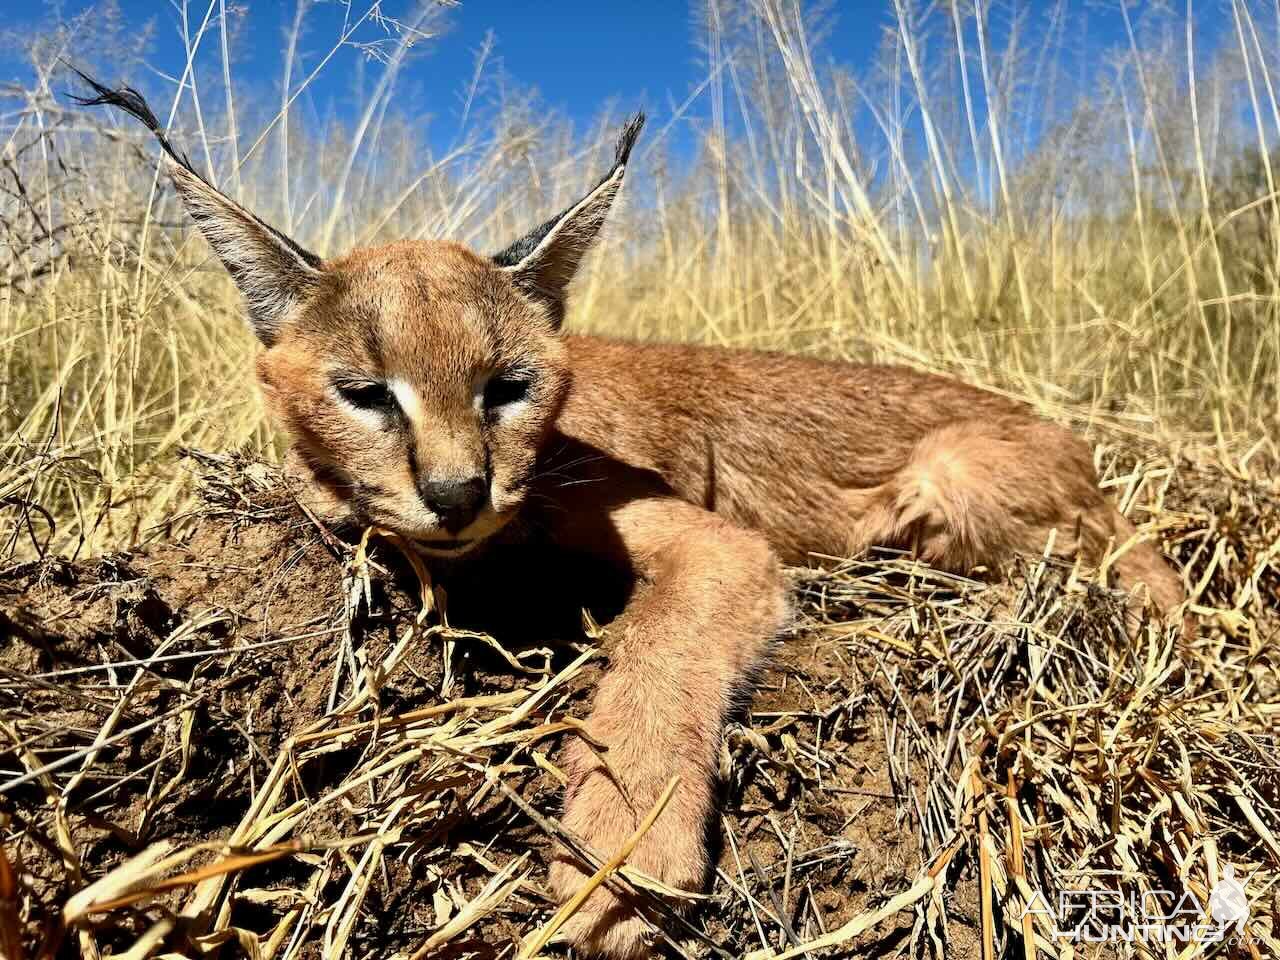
(672, 852)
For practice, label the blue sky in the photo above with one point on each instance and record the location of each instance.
(579, 55)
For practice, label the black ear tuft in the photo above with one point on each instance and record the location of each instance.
(133, 103)
(272, 271)
(575, 228)
(627, 140)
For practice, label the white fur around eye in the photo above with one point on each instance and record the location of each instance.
(407, 397)
(373, 419)
(511, 410)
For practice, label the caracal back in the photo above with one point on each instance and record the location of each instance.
(834, 458)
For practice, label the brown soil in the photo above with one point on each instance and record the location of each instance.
(268, 584)
(248, 619)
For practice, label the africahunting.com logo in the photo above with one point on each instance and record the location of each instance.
(1152, 916)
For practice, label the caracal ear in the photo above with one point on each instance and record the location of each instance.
(544, 260)
(272, 272)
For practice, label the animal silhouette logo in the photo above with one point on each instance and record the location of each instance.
(1228, 903)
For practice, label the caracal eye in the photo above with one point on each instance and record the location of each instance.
(366, 394)
(504, 389)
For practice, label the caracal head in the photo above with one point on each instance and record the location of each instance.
(417, 380)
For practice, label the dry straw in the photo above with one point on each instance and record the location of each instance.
(1033, 747)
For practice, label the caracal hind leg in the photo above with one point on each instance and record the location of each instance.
(1142, 563)
(710, 598)
(976, 493)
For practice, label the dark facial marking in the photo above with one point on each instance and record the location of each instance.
(506, 388)
(366, 394)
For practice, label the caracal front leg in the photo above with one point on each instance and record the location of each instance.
(709, 599)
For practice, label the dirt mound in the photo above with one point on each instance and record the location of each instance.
(258, 736)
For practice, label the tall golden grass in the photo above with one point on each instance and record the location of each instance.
(1108, 249)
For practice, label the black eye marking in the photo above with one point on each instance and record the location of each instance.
(366, 394)
(506, 388)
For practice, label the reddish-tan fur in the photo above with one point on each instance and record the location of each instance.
(856, 455)
(691, 469)
(796, 456)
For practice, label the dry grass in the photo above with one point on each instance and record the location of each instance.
(271, 739)
(272, 742)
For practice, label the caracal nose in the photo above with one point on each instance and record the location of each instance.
(455, 502)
